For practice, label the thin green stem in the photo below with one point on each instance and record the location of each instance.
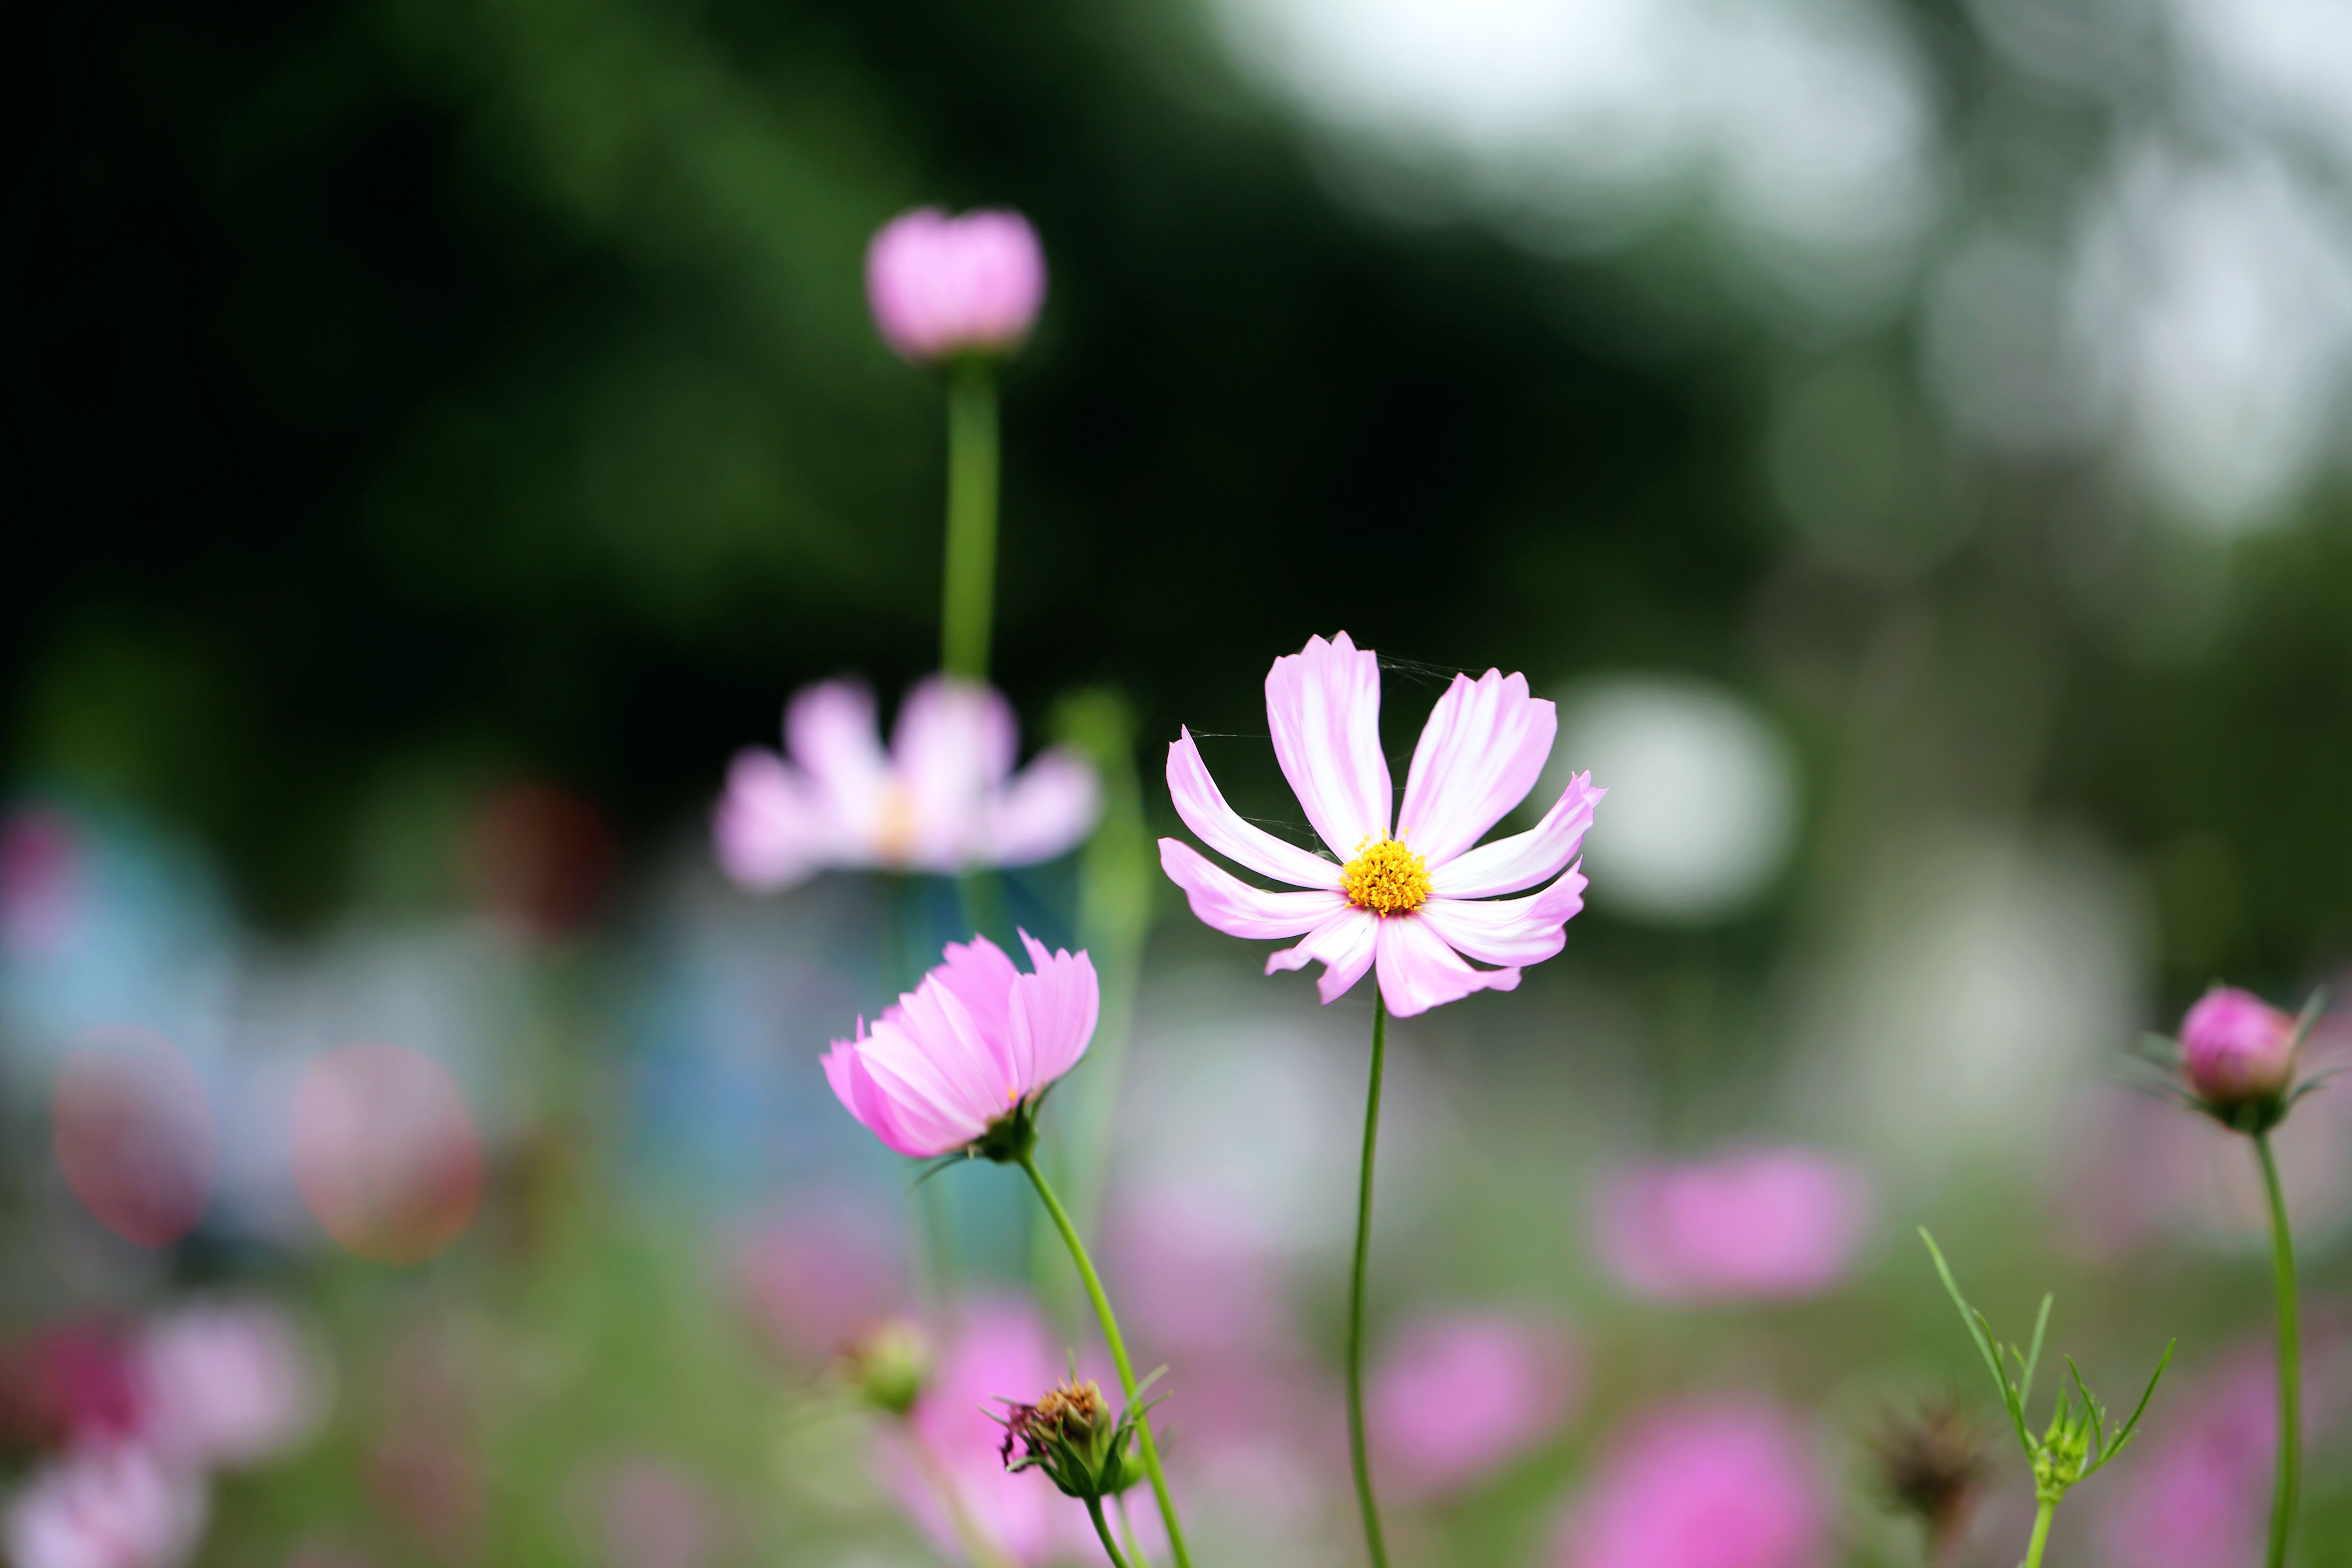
(969, 593)
(1118, 1344)
(1356, 1455)
(2041, 1517)
(2290, 1371)
(1095, 1512)
(1127, 1530)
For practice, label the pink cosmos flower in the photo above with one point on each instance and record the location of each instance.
(1757, 1224)
(1462, 1395)
(229, 1384)
(2237, 1047)
(944, 799)
(941, 286)
(1705, 1486)
(1417, 902)
(115, 1506)
(974, 1043)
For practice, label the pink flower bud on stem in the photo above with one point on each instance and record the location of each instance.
(2238, 1050)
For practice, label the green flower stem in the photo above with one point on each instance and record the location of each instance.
(1356, 1455)
(1117, 1355)
(1095, 1512)
(2290, 1370)
(969, 595)
(2041, 1517)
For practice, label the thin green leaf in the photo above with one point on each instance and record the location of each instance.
(2041, 1327)
(1979, 1333)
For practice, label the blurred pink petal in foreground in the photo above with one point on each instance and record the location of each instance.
(815, 1278)
(941, 286)
(229, 1384)
(386, 1156)
(944, 799)
(1457, 1397)
(1753, 1224)
(1416, 902)
(133, 1134)
(999, 1350)
(973, 1042)
(115, 1506)
(1703, 1486)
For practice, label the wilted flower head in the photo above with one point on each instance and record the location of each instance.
(1705, 1486)
(1459, 1396)
(1071, 1435)
(1928, 1463)
(1756, 1223)
(888, 1363)
(944, 799)
(943, 286)
(961, 1061)
(229, 1384)
(111, 1506)
(1416, 901)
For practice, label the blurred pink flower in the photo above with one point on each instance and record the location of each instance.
(1702, 1486)
(41, 870)
(229, 1384)
(650, 1513)
(1757, 1224)
(111, 1506)
(815, 1277)
(1460, 1396)
(942, 286)
(2236, 1047)
(72, 1384)
(1417, 902)
(944, 799)
(975, 1042)
(999, 1350)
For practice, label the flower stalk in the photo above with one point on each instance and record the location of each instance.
(2043, 1512)
(969, 591)
(1359, 1458)
(2288, 1485)
(1028, 1160)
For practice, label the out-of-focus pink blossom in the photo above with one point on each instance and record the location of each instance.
(2237, 1047)
(1703, 1486)
(41, 870)
(650, 1513)
(815, 1278)
(971, 1044)
(73, 1384)
(387, 1155)
(942, 286)
(1416, 902)
(110, 1506)
(999, 1350)
(1459, 1396)
(133, 1134)
(1758, 1223)
(2196, 1492)
(944, 799)
(229, 1384)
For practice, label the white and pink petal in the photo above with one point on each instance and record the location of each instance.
(1226, 902)
(1203, 806)
(1484, 745)
(1344, 944)
(1510, 865)
(1323, 705)
(1418, 970)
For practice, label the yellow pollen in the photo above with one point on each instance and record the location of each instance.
(1385, 876)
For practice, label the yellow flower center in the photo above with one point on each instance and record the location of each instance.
(1385, 876)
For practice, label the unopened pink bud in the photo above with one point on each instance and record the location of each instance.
(2237, 1047)
(942, 286)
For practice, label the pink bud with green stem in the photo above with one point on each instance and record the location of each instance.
(2236, 1060)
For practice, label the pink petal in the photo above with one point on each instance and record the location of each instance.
(1480, 752)
(980, 976)
(830, 730)
(1513, 932)
(954, 743)
(944, 1078)
(1203, 806)
(1419, 971)
(1522, 860)
(1053, 1013)
(1049, 808)
(855, 1089)
(770, 828)
(940, 285)
(1324, 707)
(1344, 944)
(1224, 901)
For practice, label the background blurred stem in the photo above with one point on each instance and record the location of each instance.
(1356, 1455)
(1117, 1355)
(2290, 1371)
(968, 597)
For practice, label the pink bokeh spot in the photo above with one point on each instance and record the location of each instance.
(941, 286)
(229, 1384)
(42, 867)
(1703, 1486)
(110, 1506)
(386, 1155)
(1459, 1396)
(815, 1278)
(133, 1134)
(1758, 1224)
